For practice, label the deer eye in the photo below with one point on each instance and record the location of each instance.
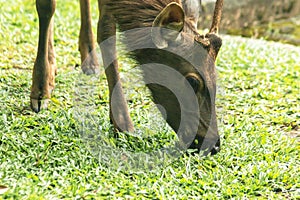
(194, 82)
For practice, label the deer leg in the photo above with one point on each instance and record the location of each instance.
(44, 67)
(51, 50)
(119, 113)
(89, 63)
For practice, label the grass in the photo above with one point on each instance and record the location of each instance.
(43, 157)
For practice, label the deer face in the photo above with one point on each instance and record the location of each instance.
(184, 81)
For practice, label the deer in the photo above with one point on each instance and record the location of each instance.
(164, 27)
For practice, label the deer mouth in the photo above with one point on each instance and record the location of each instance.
(206, 145)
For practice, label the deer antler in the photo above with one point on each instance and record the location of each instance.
(217, 17)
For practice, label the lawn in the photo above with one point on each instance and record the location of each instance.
(43, 156)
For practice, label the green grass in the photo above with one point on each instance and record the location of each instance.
(43, 157)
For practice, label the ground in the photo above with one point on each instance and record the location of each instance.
(42, 155)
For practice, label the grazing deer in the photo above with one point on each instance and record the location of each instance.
(164, 28)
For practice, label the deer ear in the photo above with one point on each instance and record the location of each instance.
(167, 25)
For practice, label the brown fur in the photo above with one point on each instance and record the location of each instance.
(132, 14)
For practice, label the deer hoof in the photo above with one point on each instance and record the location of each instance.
(38, 105)
(89, 70)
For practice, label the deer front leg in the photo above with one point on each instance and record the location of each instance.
(51, 50)
(44, 67)
(89, 62)
(119, 114)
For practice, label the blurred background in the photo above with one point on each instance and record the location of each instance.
(277, 20)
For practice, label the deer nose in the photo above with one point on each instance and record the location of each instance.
(216, 148)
